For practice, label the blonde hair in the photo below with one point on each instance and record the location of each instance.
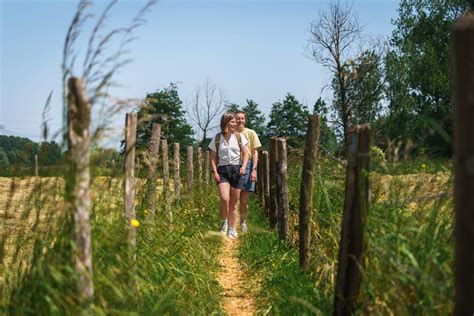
(226, 117)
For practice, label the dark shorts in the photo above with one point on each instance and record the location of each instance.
(247, 185)
(230, 174)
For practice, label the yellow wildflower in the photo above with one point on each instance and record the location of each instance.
(134, 223)
(423, 166)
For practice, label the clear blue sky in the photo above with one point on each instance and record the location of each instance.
(252, 49)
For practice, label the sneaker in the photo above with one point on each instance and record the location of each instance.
(243, 227)
(224, 227)
(232, 233)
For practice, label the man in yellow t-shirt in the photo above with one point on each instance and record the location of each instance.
(250, 176)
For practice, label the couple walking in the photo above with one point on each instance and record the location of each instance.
(234, 159)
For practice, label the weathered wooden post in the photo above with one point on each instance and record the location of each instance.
(190, 168)
(77, 184)
(129, 182)
(273, 204)
(306, 190)
(206, 166)
(266, 180)
(463, 97)
(154, 154)
(36, 166)
(282, 189)
(199, 161)
(356, 203)
(261, 197)
(166, 179)
(166, 169)
(177, 179)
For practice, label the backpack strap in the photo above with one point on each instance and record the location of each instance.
(217, 142)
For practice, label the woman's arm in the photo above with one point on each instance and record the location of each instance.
(214, 166)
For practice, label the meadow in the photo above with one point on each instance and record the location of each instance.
(407, 267)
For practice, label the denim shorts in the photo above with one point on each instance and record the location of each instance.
(230, 174)
(247, 185)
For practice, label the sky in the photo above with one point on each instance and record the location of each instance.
(252, 49)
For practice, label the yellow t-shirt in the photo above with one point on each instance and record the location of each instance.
(254, 142)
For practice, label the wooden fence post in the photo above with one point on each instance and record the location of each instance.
(177, 179)
(266, 181)
(199, 162)
(463, 97)
(190, 168)
(356, 203)
(166, 179)
(273, 207)
(282, 189)
(36, 166)
(261, 197)
(206, 166)
(306, 189)
(77, 184)
(129, 182)
(154, 154)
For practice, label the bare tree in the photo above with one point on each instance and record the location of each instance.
(333, 36)
(208, 102)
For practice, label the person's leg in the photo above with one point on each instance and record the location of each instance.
(224, 189)
(244, 204)
(244, 193)
(234, 197)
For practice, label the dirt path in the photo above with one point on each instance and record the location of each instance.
(231, 277)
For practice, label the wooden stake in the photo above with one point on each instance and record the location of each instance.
(129, 182)
(36, 166)
(266, 181)
(154, 156)
(463, 97)
(190, 168)
(206, 166)
(306, 189)
(356, 204)
(273, 205)
(199, 161)
(166, 180)
(176, 164)
(282, 189)
(77, 185)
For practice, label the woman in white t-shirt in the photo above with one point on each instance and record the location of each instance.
(229, 161)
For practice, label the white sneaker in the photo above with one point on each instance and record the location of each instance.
(243, 227)
(224, 227)
(232, 233)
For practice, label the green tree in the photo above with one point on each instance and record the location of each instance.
(254, 118)
(327, 136)
(49, 153)
(288, 119)
(419, 74)
(164, 107)
(3, 158)
(233, 107)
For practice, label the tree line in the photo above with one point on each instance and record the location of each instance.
(401, 86)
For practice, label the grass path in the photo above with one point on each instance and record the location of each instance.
(236, 300)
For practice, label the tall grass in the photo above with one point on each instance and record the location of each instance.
(176, 262)
(407, 268)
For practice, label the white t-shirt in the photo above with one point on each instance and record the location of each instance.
(229, 152)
